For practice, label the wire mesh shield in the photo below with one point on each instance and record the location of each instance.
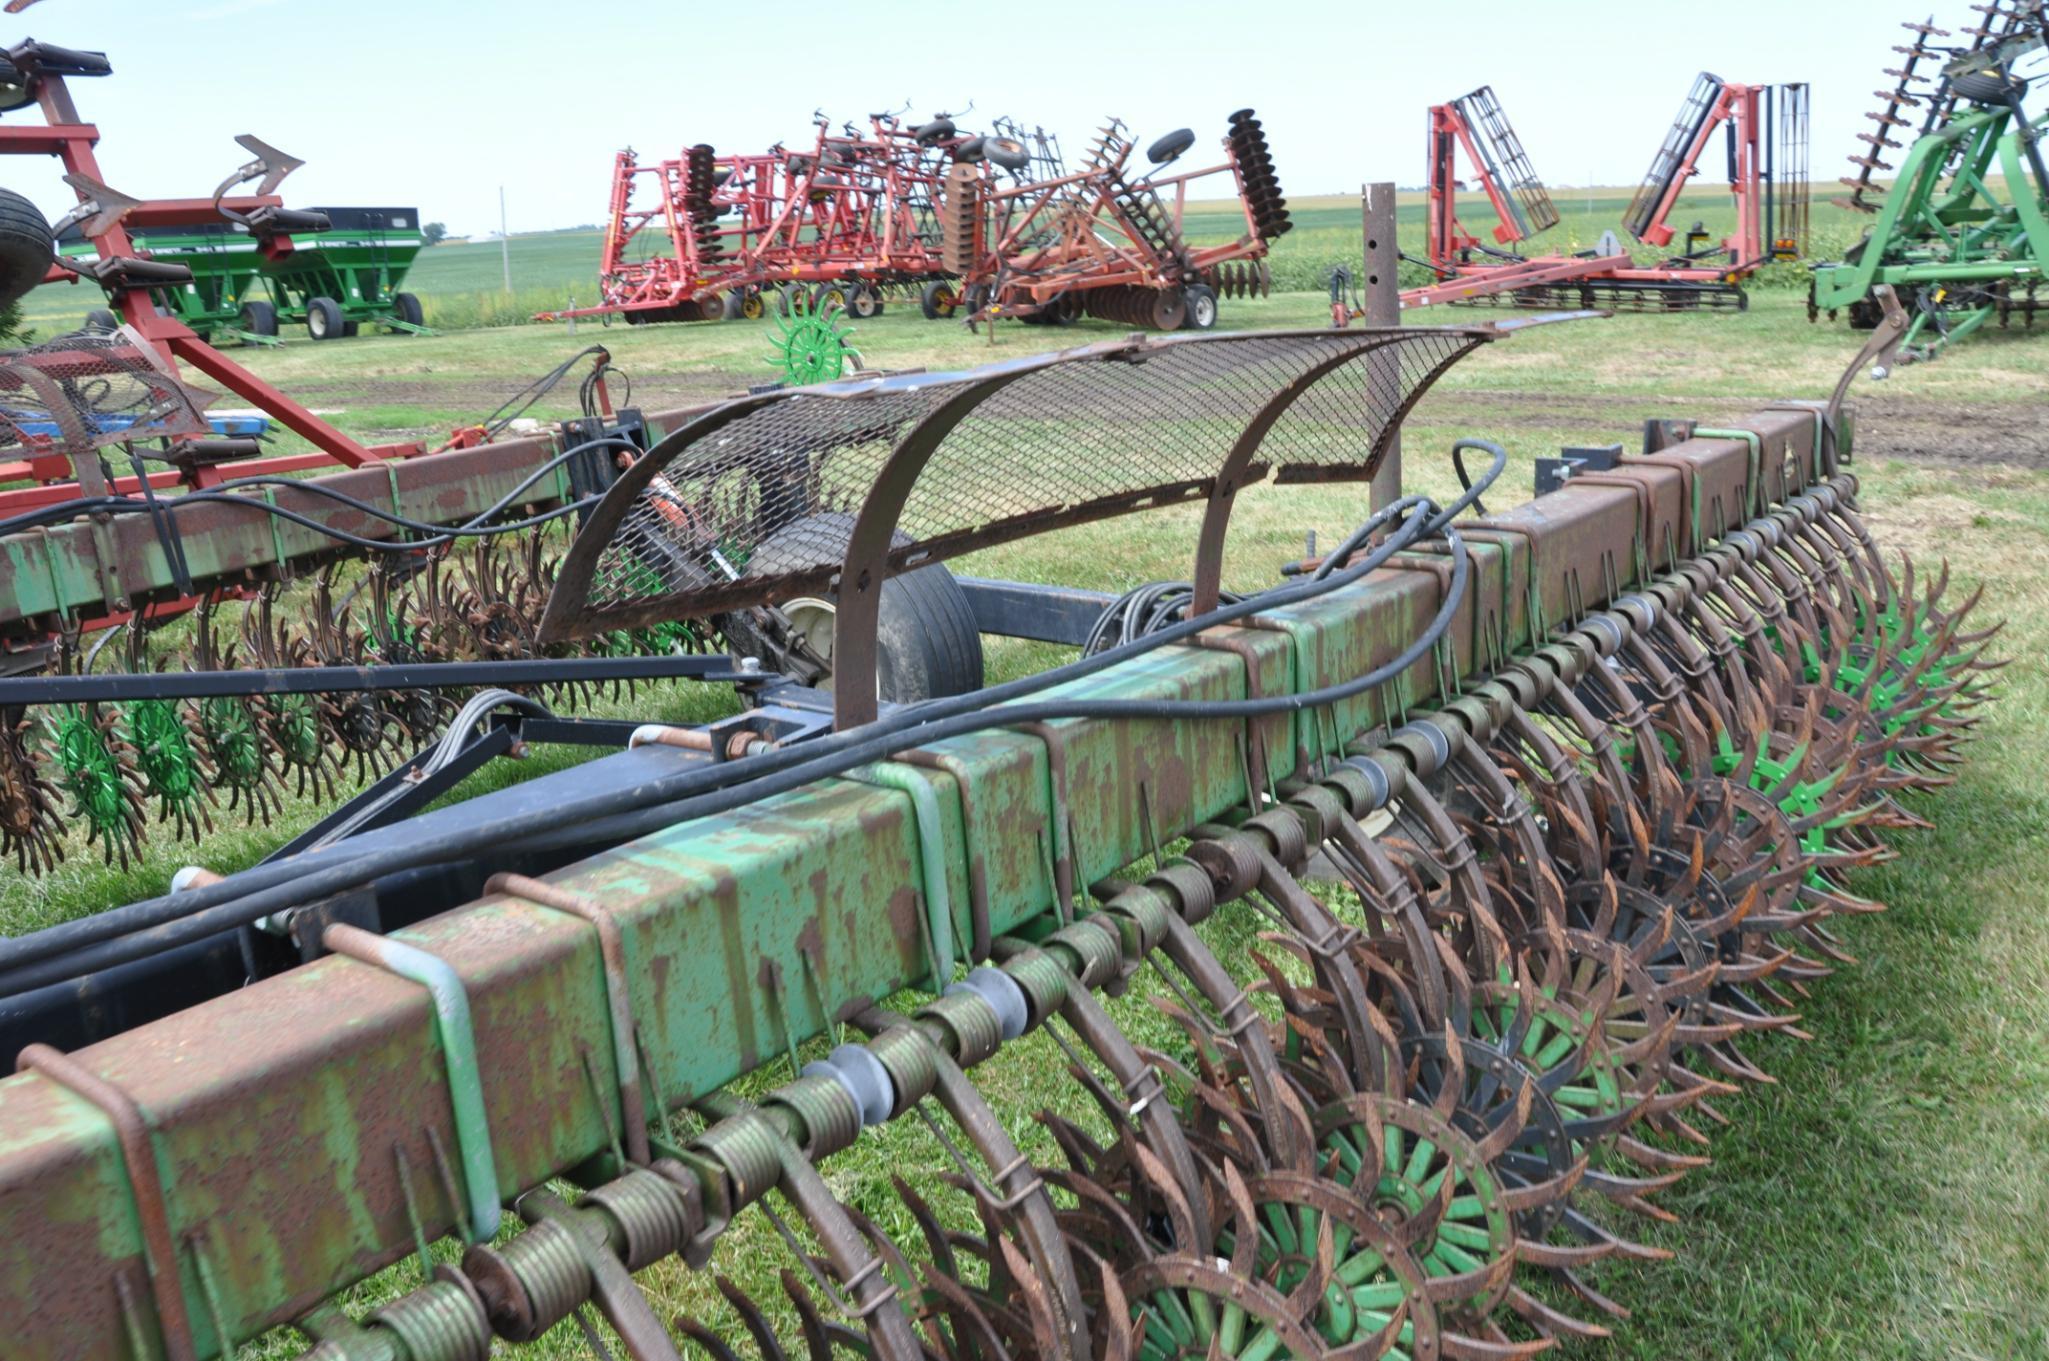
(755, 501)
(80, 392)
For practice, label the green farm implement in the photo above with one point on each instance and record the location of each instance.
(1963, 231)
(1461, 864)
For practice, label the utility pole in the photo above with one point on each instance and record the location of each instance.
(504, 240)
(1383, 297)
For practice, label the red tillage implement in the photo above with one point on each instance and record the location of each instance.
(1765, 132)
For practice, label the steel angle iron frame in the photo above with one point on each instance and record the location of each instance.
(1638, 730)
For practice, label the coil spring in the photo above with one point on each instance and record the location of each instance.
(441, 1321)
(650, 1210)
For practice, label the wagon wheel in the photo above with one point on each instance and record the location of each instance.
(938, 300)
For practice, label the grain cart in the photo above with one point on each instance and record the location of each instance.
(336, 278)
(1106, 240)
(225, 264)
(1764, 130)
(1959, 233)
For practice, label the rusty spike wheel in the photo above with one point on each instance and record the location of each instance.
(1299, 1269)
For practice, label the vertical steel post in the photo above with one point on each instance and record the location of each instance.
(1382, 293)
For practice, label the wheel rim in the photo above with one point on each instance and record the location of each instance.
(750, 307)
(811, 622)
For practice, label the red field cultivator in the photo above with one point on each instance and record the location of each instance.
(1765, 131)
(705, 235)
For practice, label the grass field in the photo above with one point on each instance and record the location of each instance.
(1886, 1197)
(461, 284)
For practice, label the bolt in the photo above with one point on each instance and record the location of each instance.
(750, 666)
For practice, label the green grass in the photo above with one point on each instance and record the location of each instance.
(1886, 1198)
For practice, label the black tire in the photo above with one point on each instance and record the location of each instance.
(863, 302)
(735, 301)
(406, 307)
(324, 319)
(926, 642)
(259, 318)
(793, 300)
(1202, 307)
(938, 299)
(938, 130)
(753, 305)
(1171, 146)
(1006, 153)
(1988, 87)
(710, 307)
(102, 319)
(26, 246)
(972, 150)
(831, 292)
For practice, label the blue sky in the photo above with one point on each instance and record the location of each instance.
(436, 104)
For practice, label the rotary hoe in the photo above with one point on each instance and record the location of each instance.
(1463, 870)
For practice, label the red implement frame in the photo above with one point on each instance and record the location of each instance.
(855, 208)
(72, 141)
(1771, 216)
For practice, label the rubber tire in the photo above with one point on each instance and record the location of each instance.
(1988, 88)
(259, 318)
(102, 319)
(1202, 307)
(823, 294)
(793, 300)
(863, 302)
(938, 130)
(26, 246)
(972, 150)
(938, 300)
(734, 302)
(1006, 153)
(324, 319)
(1171, 146)
(407, 308)
(926, 641)
(753, 305)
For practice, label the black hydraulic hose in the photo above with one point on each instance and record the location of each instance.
(231, 903)
(475, 526)
(870, 746)
(267, 888)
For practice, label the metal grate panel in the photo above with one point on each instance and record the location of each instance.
(751, 503)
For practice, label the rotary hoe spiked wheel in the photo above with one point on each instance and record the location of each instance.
(811, 347)
(1456, 882)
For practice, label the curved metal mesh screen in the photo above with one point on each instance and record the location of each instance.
(753, 502)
